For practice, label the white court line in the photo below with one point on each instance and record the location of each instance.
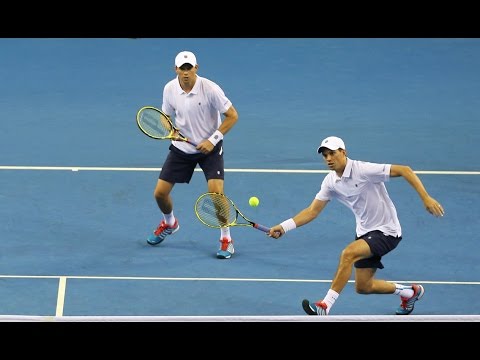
(153, 278)
(253, 318)
(91, 168)
(62, 286)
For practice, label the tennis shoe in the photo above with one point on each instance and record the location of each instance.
(162, 231)
(226, 249)
(318, 308)
(407, 305)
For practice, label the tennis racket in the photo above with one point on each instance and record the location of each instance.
(157, 125)
(217, 211)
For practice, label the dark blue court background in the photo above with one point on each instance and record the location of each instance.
(72, 102)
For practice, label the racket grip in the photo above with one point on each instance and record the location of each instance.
(261, 227)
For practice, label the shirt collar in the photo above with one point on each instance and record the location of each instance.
(347, 172)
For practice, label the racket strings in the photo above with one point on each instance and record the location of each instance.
(155, 123)
(216, 211)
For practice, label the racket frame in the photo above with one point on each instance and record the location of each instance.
(174, 130)
(237, 213)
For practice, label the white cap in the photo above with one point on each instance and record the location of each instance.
(332, 143)
(185, 57)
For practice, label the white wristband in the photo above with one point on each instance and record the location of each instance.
(288, 225)
(216, 137)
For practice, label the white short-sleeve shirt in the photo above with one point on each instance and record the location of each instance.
(198, 113)
(361, 188)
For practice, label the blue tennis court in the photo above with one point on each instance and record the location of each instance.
(77, 177)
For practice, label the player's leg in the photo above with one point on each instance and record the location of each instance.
(169, 224)
(354, 251)
(177, 168)
(365, 283)
(162, 196)
(226, 249)
(214, 171)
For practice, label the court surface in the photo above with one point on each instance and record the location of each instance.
(77, 176)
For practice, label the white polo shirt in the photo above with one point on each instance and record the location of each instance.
(198, 113)
(361, 188)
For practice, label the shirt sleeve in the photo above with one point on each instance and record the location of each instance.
(376, 173)
(167, 107)
(218, 98)
(325, 193)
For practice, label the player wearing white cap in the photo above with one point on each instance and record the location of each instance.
(197, 106)
(359, 185)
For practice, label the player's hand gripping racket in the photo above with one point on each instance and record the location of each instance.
(157, 125)
(216, 210)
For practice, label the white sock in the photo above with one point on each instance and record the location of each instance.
(225, 233)
(405, 291)
(169, 218)
(330, 299)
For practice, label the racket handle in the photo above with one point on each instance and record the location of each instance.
(261, 227)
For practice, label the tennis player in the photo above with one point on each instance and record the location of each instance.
(204, 114)
(360, 186)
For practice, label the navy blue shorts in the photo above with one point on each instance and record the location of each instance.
(380, 244)
(179, 166)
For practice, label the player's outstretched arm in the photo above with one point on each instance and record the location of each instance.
(303, 217)
(432, 205)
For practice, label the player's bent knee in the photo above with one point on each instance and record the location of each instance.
(363, 289)
(348, 256)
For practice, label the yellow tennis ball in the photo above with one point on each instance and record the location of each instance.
(253, 201)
